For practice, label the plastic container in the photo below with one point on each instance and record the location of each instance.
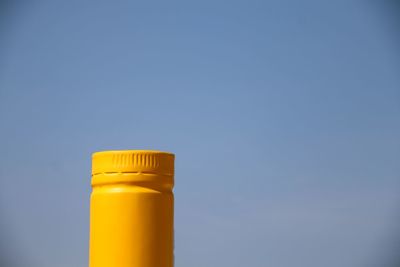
(132, 209)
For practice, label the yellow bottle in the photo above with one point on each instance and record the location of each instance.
(132, 209)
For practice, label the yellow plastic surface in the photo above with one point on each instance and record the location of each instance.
(132, 209)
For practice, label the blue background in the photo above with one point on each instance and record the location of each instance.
(284, 117)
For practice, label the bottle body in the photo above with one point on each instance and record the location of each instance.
(131, 220)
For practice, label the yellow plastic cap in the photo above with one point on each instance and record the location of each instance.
(133, 161)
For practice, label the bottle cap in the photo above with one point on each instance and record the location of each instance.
(133, 161)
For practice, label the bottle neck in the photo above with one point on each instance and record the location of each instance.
(149, 180)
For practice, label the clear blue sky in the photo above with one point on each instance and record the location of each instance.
(284, 117)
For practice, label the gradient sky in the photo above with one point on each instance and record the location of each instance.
(284, 117)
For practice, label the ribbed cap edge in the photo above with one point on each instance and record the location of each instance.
(133, 161)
